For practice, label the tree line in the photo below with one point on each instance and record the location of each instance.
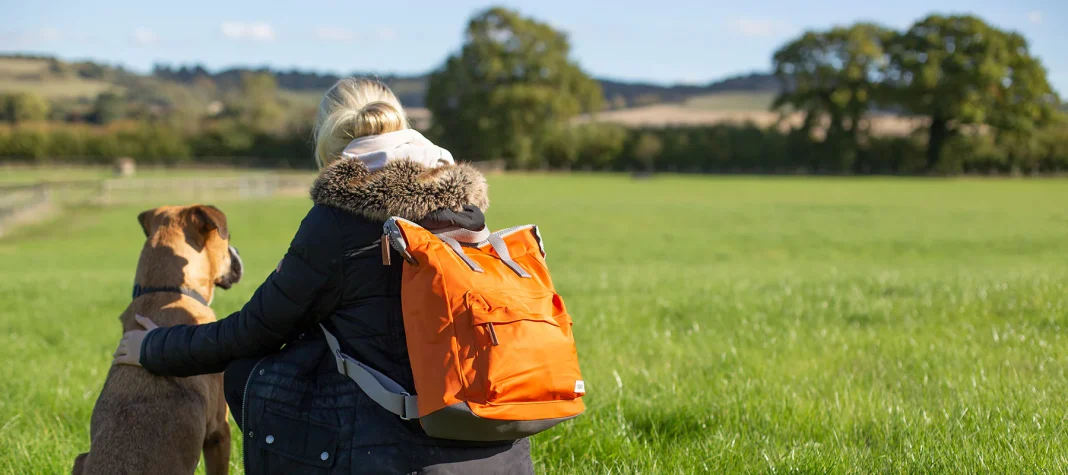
(962, 75)
(513, 92)
(594, 146)
(979, 89)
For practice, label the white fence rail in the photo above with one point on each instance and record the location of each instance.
(20, 204)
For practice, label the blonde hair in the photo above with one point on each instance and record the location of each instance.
(353, 108)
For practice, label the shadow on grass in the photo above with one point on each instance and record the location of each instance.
(670, 425)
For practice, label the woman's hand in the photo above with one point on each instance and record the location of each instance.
(129, 351)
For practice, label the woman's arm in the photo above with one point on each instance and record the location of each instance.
(267, 321)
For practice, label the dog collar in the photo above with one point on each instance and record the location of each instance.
(139, 291)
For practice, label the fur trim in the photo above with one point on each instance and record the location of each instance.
(402, 188)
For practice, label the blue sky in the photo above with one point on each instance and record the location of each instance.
(662, 41)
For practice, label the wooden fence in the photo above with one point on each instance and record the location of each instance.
(20, 204)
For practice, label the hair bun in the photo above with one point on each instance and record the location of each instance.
(378, 118)
(354, 108)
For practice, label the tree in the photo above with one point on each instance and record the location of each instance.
(25, 106)
(647, 149)
(108, 107)
(834, 75)
(257, 104)
(509, 84)
(958, 70)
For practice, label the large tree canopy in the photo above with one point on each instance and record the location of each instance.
(958, 70)
(500, 96)
(834, 75)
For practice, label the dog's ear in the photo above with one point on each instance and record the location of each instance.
(145, 218)
(209, 217)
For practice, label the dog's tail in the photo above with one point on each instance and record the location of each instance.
(79, 464)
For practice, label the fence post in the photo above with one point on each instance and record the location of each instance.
(105, 192)
(42, 192)
(272, 185)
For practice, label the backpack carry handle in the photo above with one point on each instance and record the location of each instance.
(455, 245)
(454, 237)
(497, 242)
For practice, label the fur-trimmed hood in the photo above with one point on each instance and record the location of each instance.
(402, 188)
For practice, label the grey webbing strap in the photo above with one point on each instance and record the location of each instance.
(464, 235)
(386, 392)
(455, 245)
(506, 256)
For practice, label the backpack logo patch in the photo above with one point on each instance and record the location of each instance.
(580, 387)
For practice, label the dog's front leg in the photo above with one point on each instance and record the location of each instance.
(217, 451)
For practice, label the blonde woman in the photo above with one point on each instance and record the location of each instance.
(297, 413)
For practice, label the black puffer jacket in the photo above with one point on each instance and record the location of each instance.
(300, 414)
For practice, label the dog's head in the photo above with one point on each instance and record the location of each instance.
(199, 234)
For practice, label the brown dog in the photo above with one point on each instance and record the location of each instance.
(144, 423)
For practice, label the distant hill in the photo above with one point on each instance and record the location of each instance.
(73, 86)
(641, 94)
(411, 89)
(53, 79)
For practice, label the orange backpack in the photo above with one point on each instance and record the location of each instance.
(489, 339)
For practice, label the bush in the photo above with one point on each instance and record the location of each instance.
(1053, 144)
(600, 145)
(647, 149)
(592, 145)
(26, 142)
(67, 142)
(24, 107)
(560, 147)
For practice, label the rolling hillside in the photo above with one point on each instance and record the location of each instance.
(72, 87)
(56, 79)
(48, 79)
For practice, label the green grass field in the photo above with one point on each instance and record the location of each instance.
(725, 325)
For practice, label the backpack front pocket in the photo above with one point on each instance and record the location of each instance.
(523, 349)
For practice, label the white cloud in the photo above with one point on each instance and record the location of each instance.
(385, 34)
(753, 28)
(253, 31)
(145, 37)
(29, 39)
(1034, 16)
(48, 34)
(329, 33)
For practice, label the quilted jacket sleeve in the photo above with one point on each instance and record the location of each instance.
(278, 308)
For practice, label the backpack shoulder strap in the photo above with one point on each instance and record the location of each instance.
(386, 392)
